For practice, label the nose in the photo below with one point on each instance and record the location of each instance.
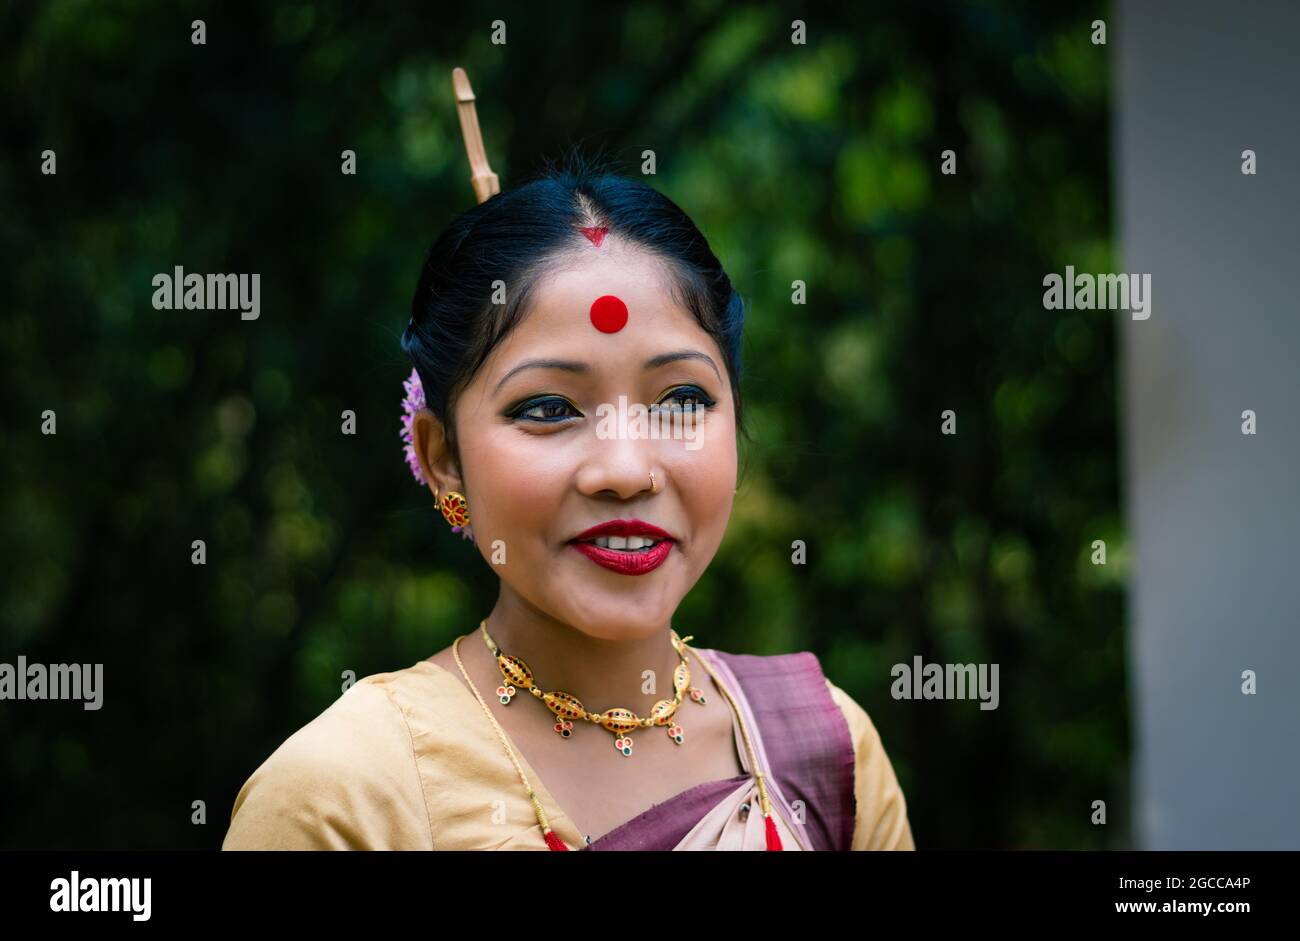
(618, 467)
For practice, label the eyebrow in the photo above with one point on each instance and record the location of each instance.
(581, 368)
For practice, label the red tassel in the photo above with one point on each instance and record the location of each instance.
(553, 841)
(773, 838)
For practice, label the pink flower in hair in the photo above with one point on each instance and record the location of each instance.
(413, 402)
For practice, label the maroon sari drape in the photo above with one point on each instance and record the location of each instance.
(802, 743)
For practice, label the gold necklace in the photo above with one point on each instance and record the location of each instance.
(550, 837)
(619, 721)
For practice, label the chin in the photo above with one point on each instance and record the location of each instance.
(623, 622)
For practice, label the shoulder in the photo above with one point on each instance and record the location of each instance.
(881, 819)
(796, 671)
(346, 780)
(797, 679)
(861, 729)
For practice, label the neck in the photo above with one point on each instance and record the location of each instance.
(601, 672)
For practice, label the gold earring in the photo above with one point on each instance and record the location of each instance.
(455, 509)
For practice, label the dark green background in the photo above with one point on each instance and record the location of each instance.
(816, 162)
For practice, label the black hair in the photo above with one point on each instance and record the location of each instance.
(513, 235)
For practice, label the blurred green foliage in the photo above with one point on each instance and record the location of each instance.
(817, 162)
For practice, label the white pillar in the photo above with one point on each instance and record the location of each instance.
(1214, 514)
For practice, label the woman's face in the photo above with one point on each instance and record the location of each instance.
(540, 466)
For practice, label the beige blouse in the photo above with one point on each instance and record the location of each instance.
(408, 760)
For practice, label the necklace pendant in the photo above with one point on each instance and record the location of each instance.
(564, 728)
(676, 733)
(697, 694)
(624, 744)
(506, 693)
(662, 712)
(681, 678)
(514, 670)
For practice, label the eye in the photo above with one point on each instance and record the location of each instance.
(678, 399)
(543, 410)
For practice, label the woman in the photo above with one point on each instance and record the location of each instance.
(539, 314)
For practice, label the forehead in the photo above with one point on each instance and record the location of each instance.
(558, 319)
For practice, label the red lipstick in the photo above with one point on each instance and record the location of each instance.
(626, 561)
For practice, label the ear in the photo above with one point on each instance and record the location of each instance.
(434, 454)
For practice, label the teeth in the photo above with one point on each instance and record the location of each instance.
(626, 543)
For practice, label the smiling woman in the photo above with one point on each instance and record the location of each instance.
(596, 535)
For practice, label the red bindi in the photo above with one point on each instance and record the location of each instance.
(608, 314)
(596, 233)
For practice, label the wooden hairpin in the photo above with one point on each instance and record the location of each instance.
(481, 176)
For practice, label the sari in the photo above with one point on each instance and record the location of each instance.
(408, 760)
